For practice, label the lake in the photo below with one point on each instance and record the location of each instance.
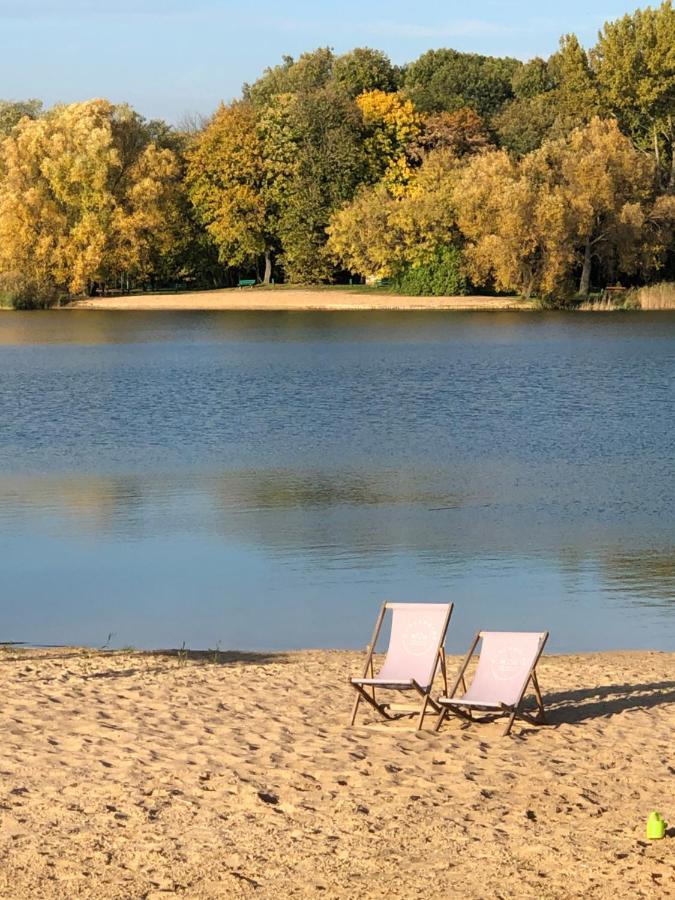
(264, 480)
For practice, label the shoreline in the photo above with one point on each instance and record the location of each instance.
(294, 299)
(204, 775)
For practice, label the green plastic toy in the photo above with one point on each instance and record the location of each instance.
(656, 826)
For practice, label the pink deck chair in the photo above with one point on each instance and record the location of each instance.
(506, 666)
(416, 649)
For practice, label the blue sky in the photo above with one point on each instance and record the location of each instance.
(170, 57)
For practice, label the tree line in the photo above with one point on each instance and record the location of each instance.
(455, 172)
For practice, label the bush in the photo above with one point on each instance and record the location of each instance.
(28, 293)
(442, 276)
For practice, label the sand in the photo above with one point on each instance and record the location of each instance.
(274, 300)
(133, 775)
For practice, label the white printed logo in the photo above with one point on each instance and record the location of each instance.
(420, 636)
(507, 662)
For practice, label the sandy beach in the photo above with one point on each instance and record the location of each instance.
(276, 300)
(129, 775)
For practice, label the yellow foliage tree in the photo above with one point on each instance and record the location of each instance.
(84, 197)
(226, 179)
(392, 127)
(377, 234)
(515, 226)
(531, 224)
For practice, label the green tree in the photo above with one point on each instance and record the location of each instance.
(524, 124)
(531, 79)
(314, 161)
(551, 99)
(576, 96)
(310, 72)
(635, 64)
(363, 70)
(330, 168)
(446, 80)
(442, 275)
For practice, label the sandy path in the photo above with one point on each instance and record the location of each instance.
(142, 776)
(247, 299)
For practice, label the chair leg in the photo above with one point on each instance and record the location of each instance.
(423, 711)
(356, 706)
(512, 719)
(540, 702)
(441, 719)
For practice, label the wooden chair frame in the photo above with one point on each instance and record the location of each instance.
(512, 711)
(425, 693)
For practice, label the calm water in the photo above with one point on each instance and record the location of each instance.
(264, 480)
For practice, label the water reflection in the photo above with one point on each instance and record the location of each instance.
(292, 536)
(189, 477)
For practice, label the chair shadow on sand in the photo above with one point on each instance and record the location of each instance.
(571, 707)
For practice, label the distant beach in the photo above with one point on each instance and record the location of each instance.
(232, 775)
(295, 299)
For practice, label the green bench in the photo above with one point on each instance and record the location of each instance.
(247, 282)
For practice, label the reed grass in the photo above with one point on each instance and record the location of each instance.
(657, 296)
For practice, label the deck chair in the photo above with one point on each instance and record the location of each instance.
(506, 666)
(414, 654)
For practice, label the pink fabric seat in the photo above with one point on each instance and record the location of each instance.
(506, 666)
(417, 630)
(413, 655)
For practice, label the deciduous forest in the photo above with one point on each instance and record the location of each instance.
(457, 172)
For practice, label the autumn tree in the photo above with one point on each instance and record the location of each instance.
(84, 197)
(515, 227)
(616, 216)
(12, 111)
(391, 130)
(379, 233)
(530, 224)
(462, 133)
(227, 185)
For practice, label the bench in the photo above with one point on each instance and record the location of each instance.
(247, 282)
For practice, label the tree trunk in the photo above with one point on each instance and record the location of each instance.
(585, 282)
(268, 267)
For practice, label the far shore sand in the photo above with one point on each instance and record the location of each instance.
(294, 299)
(155, 775)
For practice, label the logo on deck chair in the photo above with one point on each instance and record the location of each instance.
(507, 662)
(420, 636)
